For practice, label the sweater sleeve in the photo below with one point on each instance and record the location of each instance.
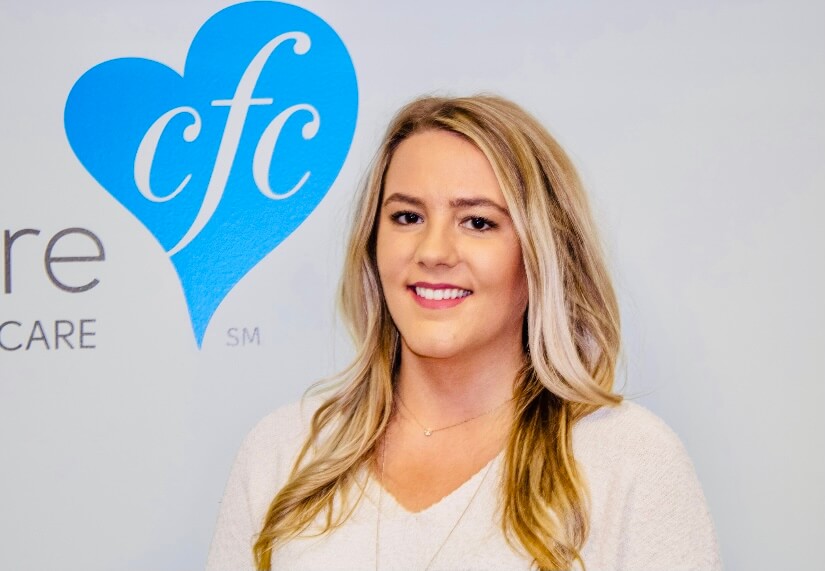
(667, 524)
(231, 548)
(260, 469)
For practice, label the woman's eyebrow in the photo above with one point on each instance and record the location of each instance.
(405, 198)
(471, 202)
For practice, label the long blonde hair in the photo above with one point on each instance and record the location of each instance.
(571, 338)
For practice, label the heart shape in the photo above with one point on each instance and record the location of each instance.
(223, 162)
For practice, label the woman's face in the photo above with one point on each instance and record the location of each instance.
(448, 256)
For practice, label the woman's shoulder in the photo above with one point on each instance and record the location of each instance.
(274, 441)
(262, 465)
(285, 422)
(626, 433)
(646, 496)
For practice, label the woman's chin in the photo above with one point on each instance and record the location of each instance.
(435, 348)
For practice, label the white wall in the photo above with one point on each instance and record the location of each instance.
(698, 127)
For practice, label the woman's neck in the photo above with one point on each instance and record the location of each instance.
(449, 389)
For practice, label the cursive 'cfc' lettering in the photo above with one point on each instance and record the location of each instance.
(238, 106)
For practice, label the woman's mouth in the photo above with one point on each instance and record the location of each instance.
(438, 296)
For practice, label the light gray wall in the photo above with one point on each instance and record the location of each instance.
(698, 127)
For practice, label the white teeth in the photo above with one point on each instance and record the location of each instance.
(440, 294)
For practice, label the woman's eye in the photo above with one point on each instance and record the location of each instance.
(406, 218)
(479, 223)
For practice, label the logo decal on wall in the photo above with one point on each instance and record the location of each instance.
(221, 163)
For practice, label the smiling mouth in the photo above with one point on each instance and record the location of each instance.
(438, 294)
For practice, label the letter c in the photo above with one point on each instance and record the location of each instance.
(3, 345)
(145, 155)
(262, 160)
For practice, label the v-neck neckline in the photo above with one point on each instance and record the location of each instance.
(465, 490)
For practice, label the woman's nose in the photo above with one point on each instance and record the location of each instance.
(437, 246)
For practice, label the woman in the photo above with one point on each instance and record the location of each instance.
(477, 427)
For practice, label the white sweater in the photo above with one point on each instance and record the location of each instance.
(647, 507)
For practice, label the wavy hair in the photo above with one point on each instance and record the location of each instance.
(571, 341)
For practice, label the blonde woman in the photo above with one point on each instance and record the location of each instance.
(477, 427)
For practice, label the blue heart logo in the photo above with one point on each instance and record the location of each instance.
(223, 162)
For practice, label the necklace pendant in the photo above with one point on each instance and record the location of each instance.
(428, 432)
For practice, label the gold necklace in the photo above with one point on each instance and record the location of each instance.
(430, 431)
(452, 529)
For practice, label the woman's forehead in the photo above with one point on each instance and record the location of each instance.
(440, 167)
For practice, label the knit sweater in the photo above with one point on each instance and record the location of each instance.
(647, 510)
